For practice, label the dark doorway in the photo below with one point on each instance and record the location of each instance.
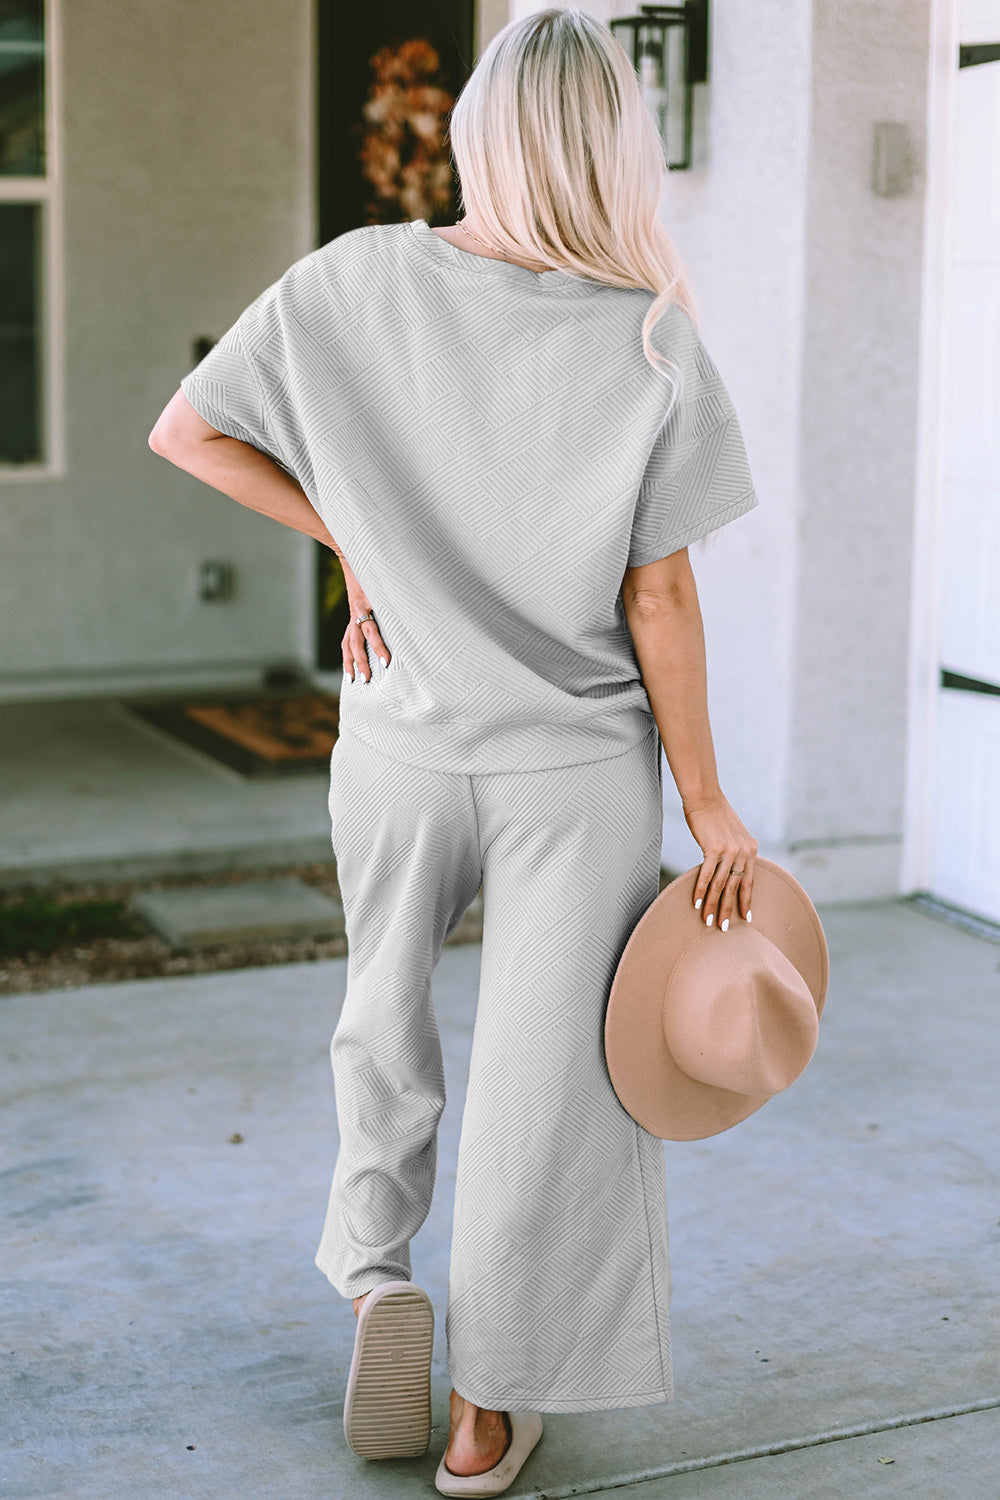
(348, 37)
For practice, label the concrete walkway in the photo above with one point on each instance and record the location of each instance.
(168, 1146)
(93, 792)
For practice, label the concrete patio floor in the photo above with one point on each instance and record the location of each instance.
(835, 1257)
(93, 792)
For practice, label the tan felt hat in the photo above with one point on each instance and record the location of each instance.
(702, 1026)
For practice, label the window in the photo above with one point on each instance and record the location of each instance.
(25, 199)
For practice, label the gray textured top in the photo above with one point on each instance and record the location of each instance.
(487, 445)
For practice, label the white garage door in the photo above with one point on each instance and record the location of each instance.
(965, 825)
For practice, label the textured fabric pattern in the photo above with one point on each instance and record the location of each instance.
(487, 445)
(560, 1278)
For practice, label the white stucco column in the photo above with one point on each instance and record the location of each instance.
(739, 219)
(809, 285)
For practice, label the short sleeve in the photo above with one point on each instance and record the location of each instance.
(242, 387)
(697, 477)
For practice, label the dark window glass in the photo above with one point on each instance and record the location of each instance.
(22, 88)
(20, 373)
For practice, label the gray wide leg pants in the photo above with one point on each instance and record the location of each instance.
(560, 1279)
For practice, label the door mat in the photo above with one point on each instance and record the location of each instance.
(270, 736)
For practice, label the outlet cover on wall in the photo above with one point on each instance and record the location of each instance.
(216, 581)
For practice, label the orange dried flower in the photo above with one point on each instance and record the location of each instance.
(403, 152)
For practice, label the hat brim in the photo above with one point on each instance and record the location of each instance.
(655, 1090)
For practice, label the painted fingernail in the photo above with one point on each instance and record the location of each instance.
(749, 916)
(709, 919)
(724, 924)
(697, 904)
(383, 661)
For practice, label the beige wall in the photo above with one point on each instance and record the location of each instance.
(186, 177)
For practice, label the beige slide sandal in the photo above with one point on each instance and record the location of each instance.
(387, 1407)
(526, 1429)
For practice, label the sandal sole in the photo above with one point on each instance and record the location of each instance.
(387, 1408)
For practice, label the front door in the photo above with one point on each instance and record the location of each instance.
(357, 45)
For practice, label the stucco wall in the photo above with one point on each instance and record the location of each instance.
(809, 288)
(187, 186)
(738, 219)
(860, 396)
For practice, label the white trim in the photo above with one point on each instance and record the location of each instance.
(17, 189)
(47, 192)
(925, 591)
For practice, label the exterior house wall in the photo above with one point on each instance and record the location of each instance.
(861, 381)
(738, 219)
(186, 184)
(809, 288)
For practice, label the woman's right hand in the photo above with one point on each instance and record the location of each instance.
(727, 847)
(356, 668)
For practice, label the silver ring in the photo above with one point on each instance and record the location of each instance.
(362, 618)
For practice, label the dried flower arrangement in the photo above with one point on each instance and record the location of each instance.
(405, 157)
(403, 152)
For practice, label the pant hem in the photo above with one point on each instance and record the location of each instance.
(358, 1286)
(563, 1404)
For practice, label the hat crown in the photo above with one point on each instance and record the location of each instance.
(738, 1015)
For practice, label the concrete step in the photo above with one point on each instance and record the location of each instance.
(199, 916)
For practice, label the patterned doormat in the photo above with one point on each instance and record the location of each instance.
(284, 735)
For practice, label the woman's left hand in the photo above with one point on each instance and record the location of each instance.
(725, 880)
(355, 636)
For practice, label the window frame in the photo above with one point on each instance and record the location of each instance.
(45, 191)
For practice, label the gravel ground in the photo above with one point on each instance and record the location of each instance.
(106, 960)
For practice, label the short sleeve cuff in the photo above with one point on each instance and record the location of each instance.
(693, 532)
(206, 397)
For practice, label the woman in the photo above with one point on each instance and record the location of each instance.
(509, 432)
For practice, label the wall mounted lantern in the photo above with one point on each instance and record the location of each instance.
(668, 45)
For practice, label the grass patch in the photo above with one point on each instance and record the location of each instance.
(38, 924)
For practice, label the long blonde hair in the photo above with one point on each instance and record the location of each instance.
(560, 161)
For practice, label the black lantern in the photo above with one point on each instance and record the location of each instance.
(668, 45)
